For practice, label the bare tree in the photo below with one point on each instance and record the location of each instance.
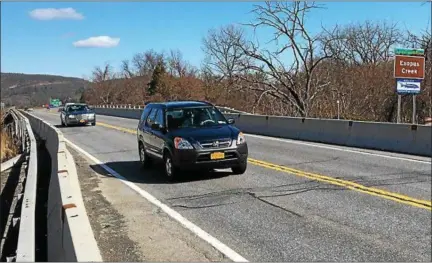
(296, 84)
(104, 87)
(424, 41)
(178, 67)
(224, 61)
(224, 51)
(144, 63)
(366, 43)
(127, 72)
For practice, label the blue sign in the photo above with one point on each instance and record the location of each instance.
(408, 86)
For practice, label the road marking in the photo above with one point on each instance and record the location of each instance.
(116, 127)
(404, 199)
(337, 148)
(224, 249)
(347, 184)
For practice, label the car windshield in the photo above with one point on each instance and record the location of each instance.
(73, 108)
(194, 117)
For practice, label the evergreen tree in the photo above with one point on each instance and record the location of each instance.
(157, 75)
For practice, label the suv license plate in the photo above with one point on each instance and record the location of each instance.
(217, 155)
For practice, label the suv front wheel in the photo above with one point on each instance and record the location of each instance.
(171, 171)
(144, 158)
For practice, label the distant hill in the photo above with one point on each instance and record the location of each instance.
(36, 89)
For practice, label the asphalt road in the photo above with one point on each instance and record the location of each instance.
(273, 213)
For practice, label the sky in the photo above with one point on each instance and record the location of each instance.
(71, 38)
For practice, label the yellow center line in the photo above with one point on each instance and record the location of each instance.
(348, 184)
(400, 198)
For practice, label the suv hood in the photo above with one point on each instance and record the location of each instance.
(206, 133)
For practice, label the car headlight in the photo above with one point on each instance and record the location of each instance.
(71, 116)
(241, 138)
(180, 143)
(90, 116)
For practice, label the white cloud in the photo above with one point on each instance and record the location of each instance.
(100, 41)
(55, 13)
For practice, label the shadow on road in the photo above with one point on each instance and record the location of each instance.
(133, 172)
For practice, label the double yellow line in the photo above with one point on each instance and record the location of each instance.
(347, 184)
(404, 199)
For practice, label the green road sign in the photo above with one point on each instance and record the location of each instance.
(409, 51)
(55, 102)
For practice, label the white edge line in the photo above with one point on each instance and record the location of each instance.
(224, 249)
(335, 148)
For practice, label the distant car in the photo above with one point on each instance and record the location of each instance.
(190, 134)
(77, 114)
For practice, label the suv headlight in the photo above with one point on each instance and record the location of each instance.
(180, 143)
(71, 116)
(241, 138)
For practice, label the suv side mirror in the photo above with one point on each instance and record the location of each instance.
(231, 121)
(157, 127)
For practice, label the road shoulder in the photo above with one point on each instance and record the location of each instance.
(128, 228)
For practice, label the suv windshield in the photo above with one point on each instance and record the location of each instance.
(73, 108)
(194, 117)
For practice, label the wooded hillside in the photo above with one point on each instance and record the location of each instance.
(23, 90)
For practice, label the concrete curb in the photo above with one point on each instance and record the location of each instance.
(70, 236)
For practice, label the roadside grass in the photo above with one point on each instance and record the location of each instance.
(7, 147)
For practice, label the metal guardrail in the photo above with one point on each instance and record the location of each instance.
(26, 246)
(22, 132)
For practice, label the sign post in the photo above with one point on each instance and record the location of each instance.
(399, 108)
(409, 71)
(414, 119)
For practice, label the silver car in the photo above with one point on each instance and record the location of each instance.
(77, 114)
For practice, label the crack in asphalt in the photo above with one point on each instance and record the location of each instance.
(274, 205)
(252, 192)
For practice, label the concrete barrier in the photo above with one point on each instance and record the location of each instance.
(70, 236)
(120, 112)
(391, 137)
(400, 138)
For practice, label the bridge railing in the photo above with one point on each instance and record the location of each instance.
(22, 213)
(131, 106)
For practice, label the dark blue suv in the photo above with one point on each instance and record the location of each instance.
(190, 135)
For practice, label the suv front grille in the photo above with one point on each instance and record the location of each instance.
(82, 117)
(215, 144)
